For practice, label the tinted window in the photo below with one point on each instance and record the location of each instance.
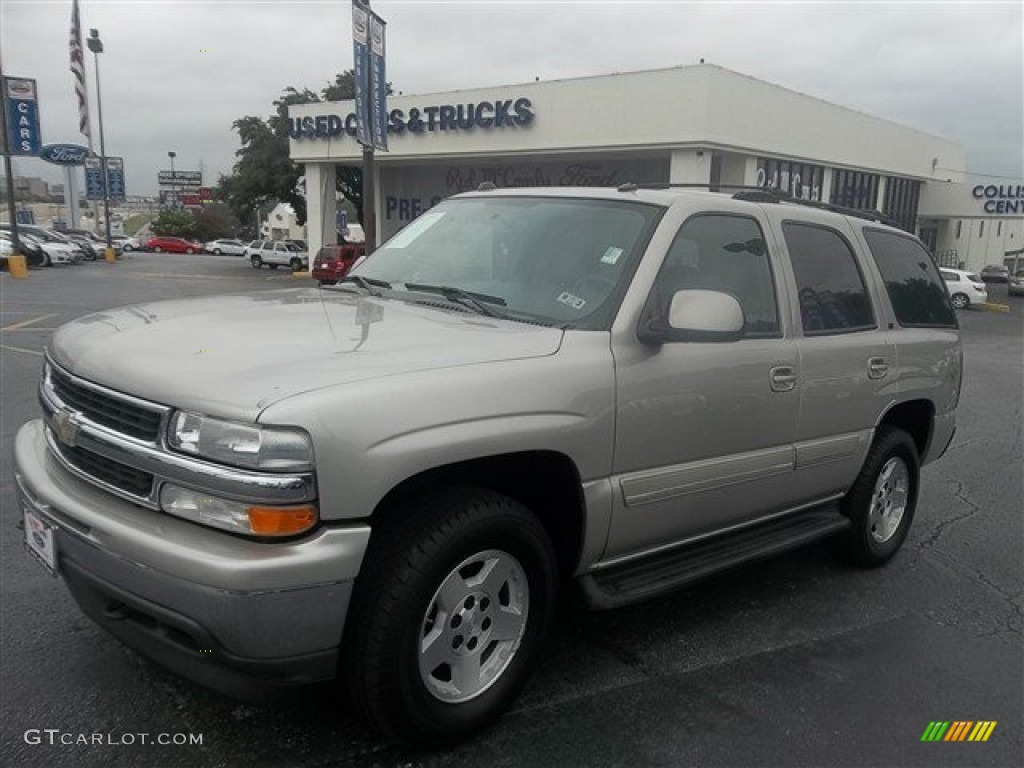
(726, 254)
(833, 298)
(912, 280)
(950, 277)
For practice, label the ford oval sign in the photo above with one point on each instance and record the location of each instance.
(64, 154)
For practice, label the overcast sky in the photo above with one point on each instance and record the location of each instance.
(176, 73)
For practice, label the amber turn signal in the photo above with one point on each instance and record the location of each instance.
(278, 521)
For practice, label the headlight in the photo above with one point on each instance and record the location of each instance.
(235, 516)
(242, 445)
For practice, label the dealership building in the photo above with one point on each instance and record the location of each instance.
(698, 124)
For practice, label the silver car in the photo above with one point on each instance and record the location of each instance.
(390, 480)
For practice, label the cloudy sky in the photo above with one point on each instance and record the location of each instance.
(176, 73)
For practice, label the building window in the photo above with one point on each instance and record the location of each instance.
(900, 204)
(959, 229)
(798, 179)
(999, 229)
(855, 189)
(981, 229)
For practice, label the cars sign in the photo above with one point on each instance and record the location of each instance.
(64, 154)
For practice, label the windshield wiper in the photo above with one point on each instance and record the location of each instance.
(476, 301)
(365, 283)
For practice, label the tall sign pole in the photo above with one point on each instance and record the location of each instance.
(371, 105)
(19, 99)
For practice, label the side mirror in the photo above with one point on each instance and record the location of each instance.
(695, 316)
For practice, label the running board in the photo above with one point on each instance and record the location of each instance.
(656, 574)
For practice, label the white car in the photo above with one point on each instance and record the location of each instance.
(127, 243)
(230, 247)
(276, 253)
(55, 249)
(965, 288)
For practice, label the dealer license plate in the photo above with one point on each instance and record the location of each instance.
(40, 540)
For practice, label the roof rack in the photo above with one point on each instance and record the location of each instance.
(755, 194)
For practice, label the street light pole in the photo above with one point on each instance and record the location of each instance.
(174, 188)
(96, 46)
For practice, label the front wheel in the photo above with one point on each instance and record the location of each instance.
(960, 301)
(158, 249)
(882, 501)
(296, 265)
(189, 250)
(456, 595)
(127, 248)
(256, 262)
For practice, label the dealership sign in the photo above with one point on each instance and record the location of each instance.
(1000, 198)
(503, 113)
(64, 154)
(180, 178)
(23, 134)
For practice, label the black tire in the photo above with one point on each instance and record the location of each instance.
(296, 265)
(866, 543)
(411, 554)
(127, 248)
(217, 251)
(256, 262)
(158, 249)
(189, 251)
(960, 301)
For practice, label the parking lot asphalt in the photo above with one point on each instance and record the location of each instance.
(798, 661)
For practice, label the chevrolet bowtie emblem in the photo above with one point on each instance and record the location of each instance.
(65, 427)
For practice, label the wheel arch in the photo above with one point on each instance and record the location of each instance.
(545, 482)
(916, 418)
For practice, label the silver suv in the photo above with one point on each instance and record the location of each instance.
(627, 389)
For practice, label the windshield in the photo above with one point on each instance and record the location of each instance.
(554, 260)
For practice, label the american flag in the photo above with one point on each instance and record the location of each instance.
(78, 68)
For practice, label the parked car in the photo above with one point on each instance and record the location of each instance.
(31, 249)
(1016, 283)
(126, 243)
(173, 245)
(300, 244)
(89, 247)
(995, 273)
(965, 288)
(276, 253)
(56, 249)
(230, 247)
(622, 390)
(333, 262)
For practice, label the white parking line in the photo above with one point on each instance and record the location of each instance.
(19, 349)
(25, 323)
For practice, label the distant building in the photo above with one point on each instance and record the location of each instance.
(31, 187)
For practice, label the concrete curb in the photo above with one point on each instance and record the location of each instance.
(300, 274)
(990, 307)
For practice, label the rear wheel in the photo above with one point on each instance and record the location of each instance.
(189, 250)
(217, 251)
(882, 501)
(158, 249)
(256, 262)
(960, 301)
(449, 613)
(296, 265)
(127, 248)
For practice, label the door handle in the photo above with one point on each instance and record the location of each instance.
(783, 378)
(878, 368)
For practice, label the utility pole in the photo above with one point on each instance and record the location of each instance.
(96, 46)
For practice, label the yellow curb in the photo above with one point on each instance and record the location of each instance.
(300, 274)
(988, 306)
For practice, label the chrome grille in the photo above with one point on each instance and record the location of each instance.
(120, 476)
(117, 414)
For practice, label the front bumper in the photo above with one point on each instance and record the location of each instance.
(245, 617)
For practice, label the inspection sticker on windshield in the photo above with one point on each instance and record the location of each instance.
(416, 228)
(573, 301)
(611, 256)
(39, 539)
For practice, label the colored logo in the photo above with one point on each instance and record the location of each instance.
(958, 730)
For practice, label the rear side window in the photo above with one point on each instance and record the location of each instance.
(912, 280)
(833, 297)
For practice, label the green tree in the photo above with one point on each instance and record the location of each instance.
(264, 174)
(174, 224)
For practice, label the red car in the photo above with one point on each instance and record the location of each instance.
(333, 262)
(173, 245)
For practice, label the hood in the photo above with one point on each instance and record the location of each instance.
(232, 356)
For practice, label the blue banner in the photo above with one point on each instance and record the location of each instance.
(25, 217)
(378, 83)
(23, 134)
(93, 179)
(361, 75)
(115, 178)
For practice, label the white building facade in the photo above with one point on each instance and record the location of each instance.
(699, 124)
